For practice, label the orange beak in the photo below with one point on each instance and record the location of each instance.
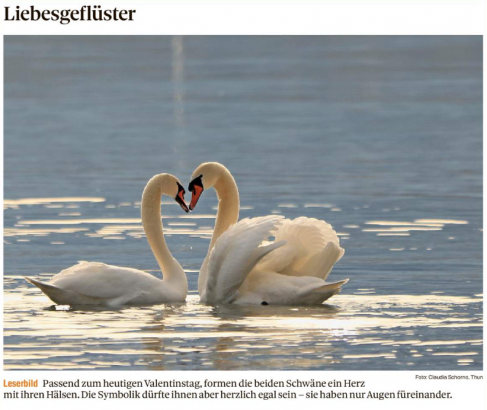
(197, 191)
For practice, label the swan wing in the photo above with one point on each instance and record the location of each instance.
(235, 254)
(312, 248)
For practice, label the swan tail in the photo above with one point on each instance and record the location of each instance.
(64, 296)
(317, 294)
(54, 293)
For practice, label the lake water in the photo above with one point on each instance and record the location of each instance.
(379, 136)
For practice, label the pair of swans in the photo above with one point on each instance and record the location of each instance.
(241, 267)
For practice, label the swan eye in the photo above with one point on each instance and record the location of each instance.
(196, 182)
(181, 189)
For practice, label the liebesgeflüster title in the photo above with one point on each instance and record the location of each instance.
(66, 16)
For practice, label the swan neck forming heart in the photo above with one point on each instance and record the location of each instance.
(228, 205)
(172, 271)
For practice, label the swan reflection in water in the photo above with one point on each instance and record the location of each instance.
(386, 331)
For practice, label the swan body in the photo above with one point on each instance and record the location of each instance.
(95, 283)
(244, 267)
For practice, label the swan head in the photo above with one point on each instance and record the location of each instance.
(172, 187)
(204, 177)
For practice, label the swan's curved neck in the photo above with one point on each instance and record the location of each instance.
(152, 223)
(228, 205)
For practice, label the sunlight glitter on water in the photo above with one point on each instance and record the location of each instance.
(198, 336)
(402, 229)
(238, 337)
(442, 221)
(401, 223)
(106, 220)
(15, 203)
(314, 205)
(121, 226)
(40, 232)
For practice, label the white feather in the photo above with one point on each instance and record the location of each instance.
(312, 249)
(95, 283)
(243, 267)
(235, 254)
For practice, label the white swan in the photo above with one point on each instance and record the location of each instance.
(242, 267)
(94, 283)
